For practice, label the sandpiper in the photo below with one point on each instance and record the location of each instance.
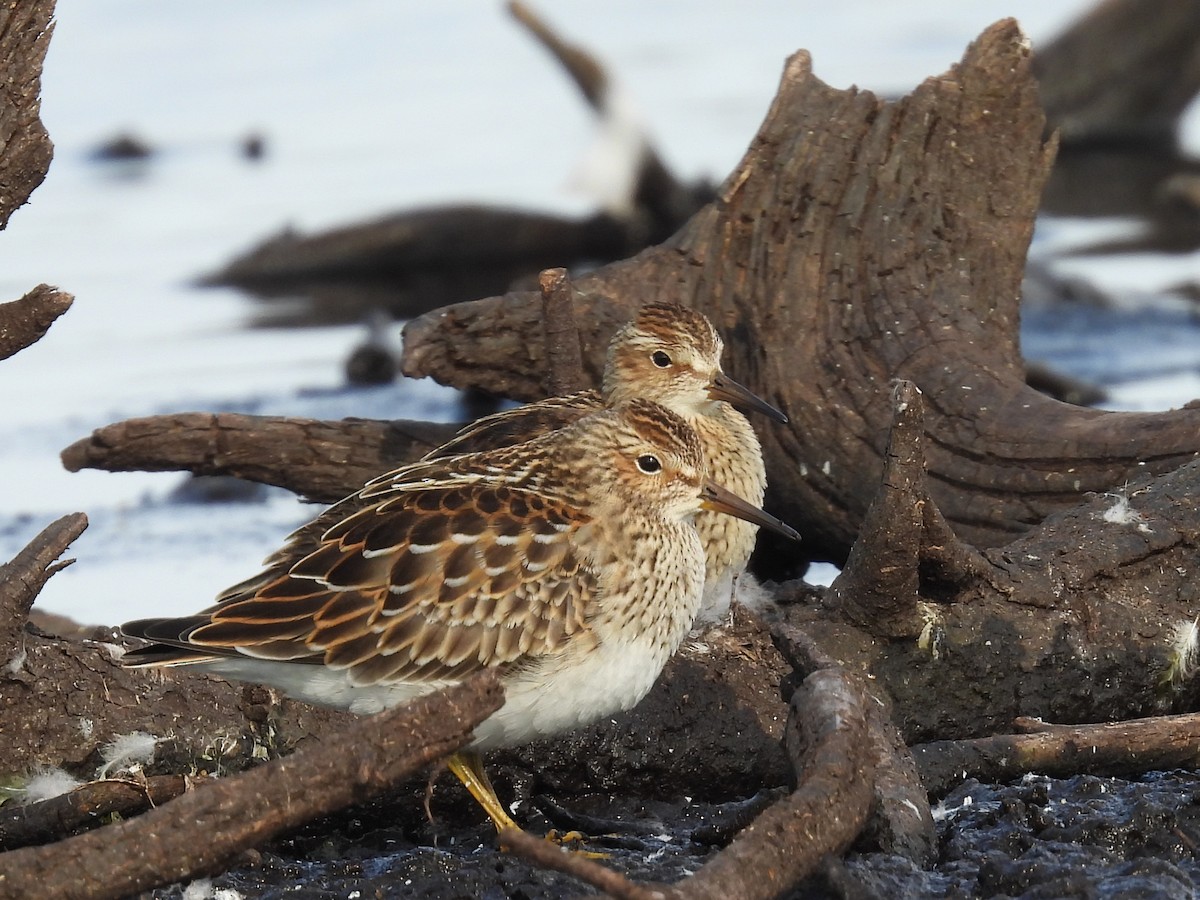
(668, 353)
(569, 564)
(671, 354)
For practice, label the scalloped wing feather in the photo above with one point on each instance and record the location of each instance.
(430, 582)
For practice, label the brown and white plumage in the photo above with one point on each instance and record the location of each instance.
(670, 354)
(569, 563)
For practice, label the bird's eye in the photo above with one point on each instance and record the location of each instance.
(660, 359)
(649, 464)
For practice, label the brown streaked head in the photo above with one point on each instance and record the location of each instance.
(673, 354)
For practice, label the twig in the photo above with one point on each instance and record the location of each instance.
(585, 70)
(1119, 748)
(827, 732)
(564, 362)
(85, 807)
(22, 579)
(24, 321)
(551, 856)
(203, 830)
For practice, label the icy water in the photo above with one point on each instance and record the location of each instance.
(367, 107)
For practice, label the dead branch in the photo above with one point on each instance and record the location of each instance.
(205, 829)
(666, 202)
(585, 70)
(880, 585)
(86, 807)
(826, 737)
(323, 461)
(22, 579)
(551, 856)
(1125, 748)
(827, 732)
(900, 821)
(24, 321)
(564, 366)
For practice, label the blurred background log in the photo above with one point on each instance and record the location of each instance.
(1115, 86)
(414, 261)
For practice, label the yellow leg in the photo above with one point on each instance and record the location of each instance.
(468, 766)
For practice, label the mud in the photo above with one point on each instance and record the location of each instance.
(1037, 838)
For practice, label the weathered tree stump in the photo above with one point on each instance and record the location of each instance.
(860, 241)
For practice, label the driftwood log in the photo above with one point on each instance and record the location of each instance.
(323, 461)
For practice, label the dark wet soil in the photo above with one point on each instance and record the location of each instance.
(1083, 837)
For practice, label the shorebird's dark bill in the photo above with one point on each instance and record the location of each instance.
(713, 496)
(722, 387)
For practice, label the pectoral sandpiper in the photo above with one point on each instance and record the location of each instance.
(670, 354)
(569, 564)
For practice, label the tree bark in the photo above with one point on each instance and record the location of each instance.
(859, 241)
